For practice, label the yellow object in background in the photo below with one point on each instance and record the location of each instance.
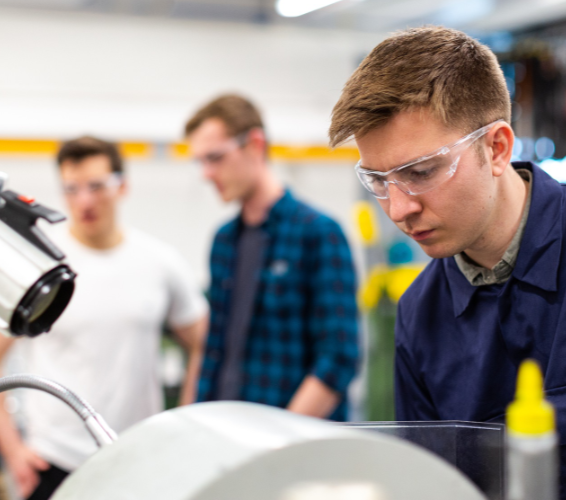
(530, 414)
(371, 290)
(366, 222)
(288, 153)
(28, 147)
(136, 149)
(401, 278)
(393, 281)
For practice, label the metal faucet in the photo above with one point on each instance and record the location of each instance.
(98, 428)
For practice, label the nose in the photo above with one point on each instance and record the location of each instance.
(84, 198)
(401, 205)
(207, 171)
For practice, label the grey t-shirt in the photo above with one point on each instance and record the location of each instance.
(249, 262)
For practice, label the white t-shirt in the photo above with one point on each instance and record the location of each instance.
(105, 346)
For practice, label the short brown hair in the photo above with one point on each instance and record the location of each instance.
(454, 76)
(77, 150)
(236, 112)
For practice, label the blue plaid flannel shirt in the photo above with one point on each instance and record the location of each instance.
(305, 316)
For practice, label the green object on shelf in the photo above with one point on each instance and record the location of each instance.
(380, 405)
(171, 394)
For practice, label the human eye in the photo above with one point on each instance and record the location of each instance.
(70, 189)
(421, 172)
(96, 186)
(373, 180)
(214, 158)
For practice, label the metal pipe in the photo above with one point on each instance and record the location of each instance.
(95, 424)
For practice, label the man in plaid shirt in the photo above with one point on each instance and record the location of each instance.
(283, 325)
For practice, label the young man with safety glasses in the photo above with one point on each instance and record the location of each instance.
(105, 346)
(430, 112)
(283, 327)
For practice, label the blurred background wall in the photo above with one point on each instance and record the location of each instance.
(138, 78)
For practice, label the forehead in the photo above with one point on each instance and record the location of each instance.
(211, 133)
(91, 167)
(406, 137)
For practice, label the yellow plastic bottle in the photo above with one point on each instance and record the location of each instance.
(532, 443)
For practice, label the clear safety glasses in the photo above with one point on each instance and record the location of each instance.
(95, 187)
(424, 173)
(216, 157)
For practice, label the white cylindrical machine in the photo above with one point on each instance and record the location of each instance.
(244, 451)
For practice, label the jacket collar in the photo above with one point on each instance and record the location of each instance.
(541, 245)
(541, 248)
(280, 210)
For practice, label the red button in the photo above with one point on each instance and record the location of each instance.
(26, 199)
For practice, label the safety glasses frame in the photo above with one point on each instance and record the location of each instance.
(459, 146)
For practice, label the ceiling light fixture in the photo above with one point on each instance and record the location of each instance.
(295, 8)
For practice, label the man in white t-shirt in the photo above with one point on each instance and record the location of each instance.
(105, 346)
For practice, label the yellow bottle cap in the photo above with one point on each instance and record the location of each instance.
(530, 413)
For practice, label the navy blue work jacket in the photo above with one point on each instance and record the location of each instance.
(458, 347)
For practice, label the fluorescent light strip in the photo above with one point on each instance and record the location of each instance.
(295, 8)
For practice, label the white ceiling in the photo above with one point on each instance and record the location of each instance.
(360, 15)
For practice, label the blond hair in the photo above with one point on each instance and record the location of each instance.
(440, 69)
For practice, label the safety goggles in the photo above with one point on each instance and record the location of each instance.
(424, 173)
(93, 187)
(215, 158)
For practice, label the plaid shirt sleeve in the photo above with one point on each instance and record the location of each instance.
(332, 322)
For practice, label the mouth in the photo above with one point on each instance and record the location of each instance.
(88, 217)
(421, 235)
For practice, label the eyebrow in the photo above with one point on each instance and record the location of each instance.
(409, 162)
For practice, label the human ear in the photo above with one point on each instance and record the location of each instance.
(500, 142)
(257, 139)
(123, 188)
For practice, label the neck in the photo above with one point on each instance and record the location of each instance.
(102, 241)
(512, 196)
(266, 192)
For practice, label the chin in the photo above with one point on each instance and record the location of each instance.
(226, 198)
(91, 230)
(439, 252)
